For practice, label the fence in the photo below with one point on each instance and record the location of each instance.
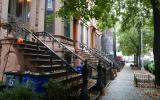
(144, 80)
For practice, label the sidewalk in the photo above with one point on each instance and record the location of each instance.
(122, 88)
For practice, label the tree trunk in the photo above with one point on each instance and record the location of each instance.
(156, 45)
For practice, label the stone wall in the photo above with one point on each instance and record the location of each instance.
(12, 58)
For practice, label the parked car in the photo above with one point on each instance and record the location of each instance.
(120, 60)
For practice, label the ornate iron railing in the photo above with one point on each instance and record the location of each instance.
(105, 55)
(105, 60)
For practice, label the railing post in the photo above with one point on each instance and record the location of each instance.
(104, 76)
(84, 91)
(50, 58)
(99, 83)
(67, 73)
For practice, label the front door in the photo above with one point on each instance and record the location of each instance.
(19, 10)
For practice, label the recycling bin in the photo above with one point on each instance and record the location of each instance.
(36, 82)
(12, 78)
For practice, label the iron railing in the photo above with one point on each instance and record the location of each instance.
(67, 54)
(68, 58)
(105, 60)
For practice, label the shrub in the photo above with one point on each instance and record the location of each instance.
(56, 90)
(20, 92)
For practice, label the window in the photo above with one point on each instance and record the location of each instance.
(66, 28)
(49, 21)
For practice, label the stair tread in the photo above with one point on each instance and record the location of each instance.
(34, 45)
(70, 77)
(53, 66)
(93, 61)
(30, 49)
(91, 83)
(46, 60)
(31, 54)
(45, 73)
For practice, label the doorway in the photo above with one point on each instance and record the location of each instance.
(19, 10)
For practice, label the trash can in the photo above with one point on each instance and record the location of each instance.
(12, 78)
(36, 82)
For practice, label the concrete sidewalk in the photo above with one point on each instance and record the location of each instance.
(122, 88)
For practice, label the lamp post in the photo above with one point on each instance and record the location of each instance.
(142, 65)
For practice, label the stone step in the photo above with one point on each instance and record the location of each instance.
(52, 68)
(41, 56)
(45, 61)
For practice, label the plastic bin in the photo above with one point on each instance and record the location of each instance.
(35, 81)
(12, 78)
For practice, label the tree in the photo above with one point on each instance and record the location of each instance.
(129, 43)
(144, 10)
(107, 12)
(156, 46)
(101, 10)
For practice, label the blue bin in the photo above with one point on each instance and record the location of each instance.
(35, 81)
(12, 78)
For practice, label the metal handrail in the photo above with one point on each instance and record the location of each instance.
(95, 53)
(105, 55)
(35, 37)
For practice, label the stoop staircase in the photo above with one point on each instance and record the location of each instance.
(91, 59)
(50, 57)
(94, 56)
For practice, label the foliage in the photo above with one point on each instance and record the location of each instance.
(56, 90)
(104, 11)
(138, 16)
(130, 40)
(20, 92)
